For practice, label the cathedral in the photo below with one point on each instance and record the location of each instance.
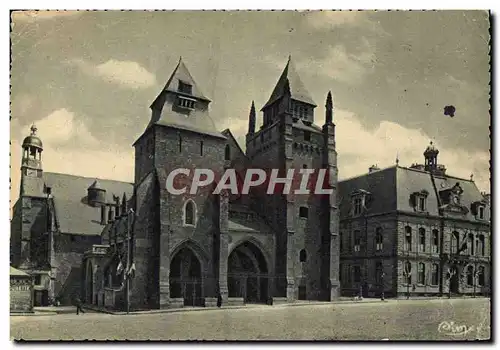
(398, 231)
(136, 246)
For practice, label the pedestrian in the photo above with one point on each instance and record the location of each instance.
(78, 303)
(219, 300)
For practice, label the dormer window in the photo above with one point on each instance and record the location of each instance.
(421, 204)
(357, 206)
(185, 102)
(479, 210)
(419, 200)
(185, 88)
(359, 201)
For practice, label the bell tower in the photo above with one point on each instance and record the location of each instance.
(31, 164)
(430, 154)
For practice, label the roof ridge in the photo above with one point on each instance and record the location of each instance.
(87, 177)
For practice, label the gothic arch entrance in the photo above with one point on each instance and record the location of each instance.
(248, 276)
(186, 277)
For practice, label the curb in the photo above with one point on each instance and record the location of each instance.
(235, 307)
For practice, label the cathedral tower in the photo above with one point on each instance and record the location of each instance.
(289, 139)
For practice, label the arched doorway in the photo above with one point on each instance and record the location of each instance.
(186, 278)
(89, 283)
(248, 276)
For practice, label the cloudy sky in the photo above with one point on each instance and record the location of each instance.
(87, 79)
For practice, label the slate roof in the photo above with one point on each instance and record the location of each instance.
(392, 187)
(182, 73)
(198, 120)
(297, 89)
(18, 273)
(69, 193)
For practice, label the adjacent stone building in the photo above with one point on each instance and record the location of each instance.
(55, 220)
(416, 231)
(139, 246)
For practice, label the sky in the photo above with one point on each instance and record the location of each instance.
(87, 79)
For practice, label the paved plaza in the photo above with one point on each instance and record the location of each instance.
(454, 319)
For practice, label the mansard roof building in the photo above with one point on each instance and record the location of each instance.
(414, 230)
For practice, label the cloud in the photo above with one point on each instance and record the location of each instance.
(359, 148)
(33, 16)
(62, 127)
(125, 73)
(342, 65)
(60, 132)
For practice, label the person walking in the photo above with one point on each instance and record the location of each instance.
(219, 300)
(78, 303)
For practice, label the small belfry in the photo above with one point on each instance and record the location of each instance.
(430, 154)
(31, 164)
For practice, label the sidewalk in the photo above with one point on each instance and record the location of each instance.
(245, 306)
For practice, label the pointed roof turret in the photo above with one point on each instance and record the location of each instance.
(188, 110)
(297, 88)
(182, 77)
(251, 119)
(96, 185)
(329, 108)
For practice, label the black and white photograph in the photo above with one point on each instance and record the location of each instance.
(291, 175)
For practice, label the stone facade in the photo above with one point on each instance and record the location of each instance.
(399, 219)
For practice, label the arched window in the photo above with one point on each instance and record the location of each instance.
(303, 255)
(421, 273)
(480, 276)
(227, 153)
(408, 272)
(470, 275)
(454, 242)
(408, 238)
(435, 241)
(189, 213)
(421, 239)
(379, 239)
(435, 274)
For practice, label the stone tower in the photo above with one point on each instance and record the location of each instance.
(177, 235)
(306, 261)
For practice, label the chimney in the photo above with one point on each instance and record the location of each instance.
(373, 168)
(103, 214)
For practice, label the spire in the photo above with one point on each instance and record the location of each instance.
(397, 158)
(297, 89)
(329, 108)
(124, 204)
(251, 119)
